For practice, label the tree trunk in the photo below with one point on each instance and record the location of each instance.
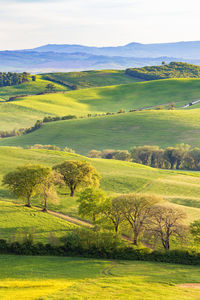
(165, 244)
(28, 201)
(135, 239)
(72, 191)
(45, 204)
(116, 228)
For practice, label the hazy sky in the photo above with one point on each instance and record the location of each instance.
(30, 23)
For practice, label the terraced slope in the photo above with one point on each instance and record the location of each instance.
(117, 177)
(98, 100)
(121, 131)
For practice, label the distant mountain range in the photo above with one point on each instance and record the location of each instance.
(187, 50)
(52, 58)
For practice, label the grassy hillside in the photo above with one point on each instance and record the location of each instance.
(88, 79)
(172, 70)
(16, 221)
(121, 131)
(117, 177)
(77, 278)
(28, 88)
(98, 100)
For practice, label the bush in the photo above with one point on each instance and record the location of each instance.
(47, 147)
(88, 243)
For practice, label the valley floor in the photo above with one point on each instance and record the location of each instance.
(23, 277)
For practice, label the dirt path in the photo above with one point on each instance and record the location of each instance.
(70, 219)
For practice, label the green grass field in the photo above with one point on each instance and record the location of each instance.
(98, 100)
(28, 88)
(180, 188)
(16, 221)
(76, 278)
(88, 79)
(122, 131)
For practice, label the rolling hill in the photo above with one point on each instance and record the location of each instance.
(26, 110)
(180, 188)
(88, 79)
(122, 131)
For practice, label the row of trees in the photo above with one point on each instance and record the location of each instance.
(179, 157)
(8, 79)
(142, 214)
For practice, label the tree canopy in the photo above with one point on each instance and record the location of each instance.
(25, 181)
(77, 174)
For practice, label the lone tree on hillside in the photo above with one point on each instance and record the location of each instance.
(50, 88)
(89, 202)
(136, 209)
(166, 222)
(25, 181)
(77, 174)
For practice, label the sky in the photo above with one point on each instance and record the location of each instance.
(27, 24)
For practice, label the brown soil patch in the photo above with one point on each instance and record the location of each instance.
(190, 285)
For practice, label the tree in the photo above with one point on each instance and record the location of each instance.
(94, 154)
(46, 187)
(33, 78)
(50, 88)
(136, 209)
(166, 222)
(195, 230)
(77, 174)
(25, 181)
(122, 155)
(112, 210)
(89, 202)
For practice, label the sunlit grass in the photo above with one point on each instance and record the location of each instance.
(76, 278)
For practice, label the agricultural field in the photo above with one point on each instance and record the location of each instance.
(122, 131)
(88, 79)
(77, 278)
(98, 93)
(24, 111)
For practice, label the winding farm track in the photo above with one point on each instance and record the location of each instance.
(70, 219)
(78, 222)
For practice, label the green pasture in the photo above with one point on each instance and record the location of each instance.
(122, 131)
(88, 79)
(76, 278)
(28, 88)
(98, 100)
(179, 188)
(17, 221)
